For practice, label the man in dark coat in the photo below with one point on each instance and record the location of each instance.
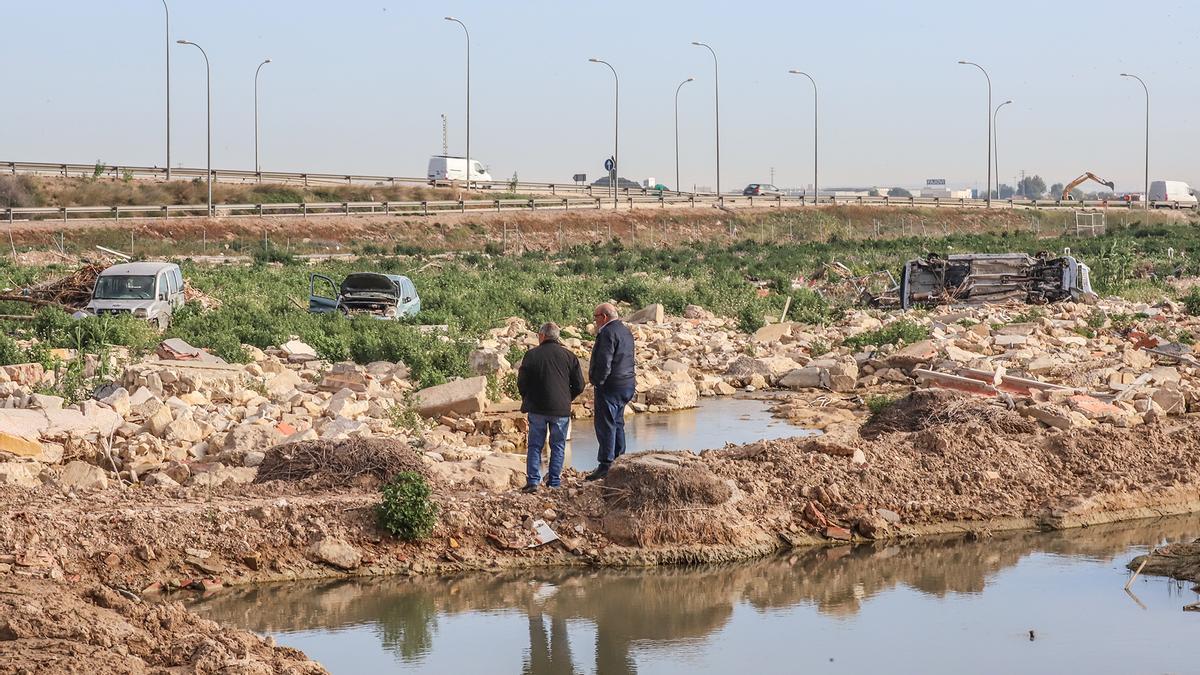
(549, 379)
(611, 372)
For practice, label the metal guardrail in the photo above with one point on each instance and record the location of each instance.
(296, 178)
(586, 196)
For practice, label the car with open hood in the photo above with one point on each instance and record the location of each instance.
(383, 296)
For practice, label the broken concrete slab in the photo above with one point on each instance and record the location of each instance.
(461, 396)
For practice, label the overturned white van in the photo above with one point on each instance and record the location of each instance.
(978, 278)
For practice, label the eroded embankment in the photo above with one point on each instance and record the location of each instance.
(957, 464)
(935, 463)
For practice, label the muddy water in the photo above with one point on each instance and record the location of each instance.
(714, 423)
(942, 606)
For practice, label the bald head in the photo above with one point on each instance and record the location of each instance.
(604, 313)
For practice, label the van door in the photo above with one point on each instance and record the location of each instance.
(322, 294)
(410, 303)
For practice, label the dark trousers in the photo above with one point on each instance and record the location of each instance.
(610, 421)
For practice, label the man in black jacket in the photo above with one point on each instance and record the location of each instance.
(549, 379)
(611, 372)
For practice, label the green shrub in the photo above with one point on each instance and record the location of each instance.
(894, 333)
(406, 510)
(10, 352)
(877, 404)
(1191, 301)
(272, 254)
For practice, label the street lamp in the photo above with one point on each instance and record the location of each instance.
(690, 79)
(257, 166)
(208, 85)
(167, 11)
(616, 116)
(816, 192)
(988, 190)
(996, 143)
(717, 105)
(470, 167)
(1146, 194)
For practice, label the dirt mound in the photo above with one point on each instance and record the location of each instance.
(667, 498)
(926, 408)
(45, 628)
(330, 462)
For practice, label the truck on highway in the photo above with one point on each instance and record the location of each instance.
(447, 168)
(1172, 192)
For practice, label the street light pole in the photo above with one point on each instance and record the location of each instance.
(1146, 194)
(988, 189)
(470, 167)
(257, 166)
(167, 12)
(690, 79)
(816, 191)
(616, 136)
(208, 86)
(996, 143)
(717, 106)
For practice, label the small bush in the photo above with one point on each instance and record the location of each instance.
(1191, 301)
(407, 512)
(877, 404)
(898, 331)
(271, 254)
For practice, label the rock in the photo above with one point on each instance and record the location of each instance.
(696, 312)
(21, 446)
(808, 377)
(773, 332)
(461, 396)
(254, 458)
(1008, 341)
(743, 369)
(23, 474)
(282, 384)
(184, 430)
(336, 552)
(32, 424)
(161, 480)
(911, 356)
(500, 471)
(835, 532)
(345, 403)
(160, 421)
(649, 314)
(298, 352)
(1048, 415)
(888, 515)
(83, 477)
(1170, 398)
(675, 395)
(119, 401)
(246, 438)
(859, 457)
(487, 362)
(24, 374)
(44, 402)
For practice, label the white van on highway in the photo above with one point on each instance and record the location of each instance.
(446, 168)
(1172, 192)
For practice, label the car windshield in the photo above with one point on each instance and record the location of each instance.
(124, 288)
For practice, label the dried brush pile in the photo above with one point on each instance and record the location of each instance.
(339, 462)
(667, 498)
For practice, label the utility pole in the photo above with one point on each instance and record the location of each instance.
(445, 137)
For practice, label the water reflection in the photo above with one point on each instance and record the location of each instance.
(632, 609)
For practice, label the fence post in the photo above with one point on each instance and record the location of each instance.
(462, 206)
(424, 208)
(116, 213)
(532, 206)
(305, 177)
(64, 212)
(303, 210)
(497, 203)
(387, 208)
(260, 211)
(597, 201)
(346, 207)
(166, 213)
(566, 207)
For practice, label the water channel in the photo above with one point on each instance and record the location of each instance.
(1021, 602)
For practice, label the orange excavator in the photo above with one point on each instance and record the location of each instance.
(1088, 175)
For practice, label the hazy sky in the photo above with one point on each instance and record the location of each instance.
(358, 86)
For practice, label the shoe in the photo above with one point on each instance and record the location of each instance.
(598, 474)
(529, 489)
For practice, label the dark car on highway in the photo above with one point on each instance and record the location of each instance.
(761, 189)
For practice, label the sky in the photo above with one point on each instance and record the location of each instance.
(359, 86)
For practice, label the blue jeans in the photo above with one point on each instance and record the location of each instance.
(610, 422)
(538, 426)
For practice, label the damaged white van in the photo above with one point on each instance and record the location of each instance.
(978, 278)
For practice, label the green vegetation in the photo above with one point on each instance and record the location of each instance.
(878, 403)
(894, 333)
(406, 510)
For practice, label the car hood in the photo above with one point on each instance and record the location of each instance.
(361, 283)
